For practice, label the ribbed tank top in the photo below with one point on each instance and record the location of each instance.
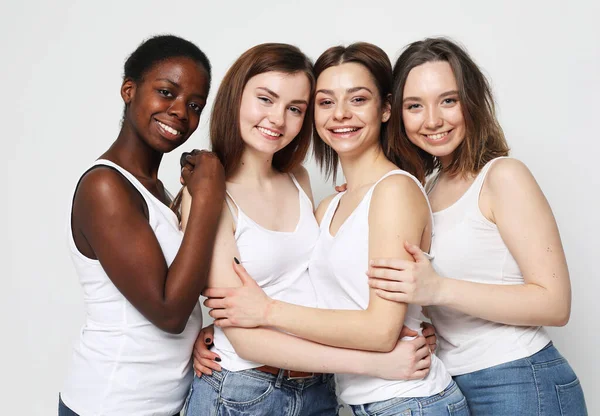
(278, 261)
(122, 364)
(469, 247)
(337, 269)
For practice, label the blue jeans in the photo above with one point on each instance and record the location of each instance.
(543, 384)
(252, 392)
(449, 402)
(63, 410)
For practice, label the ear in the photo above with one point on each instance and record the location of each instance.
(387, 109)
(128, 90)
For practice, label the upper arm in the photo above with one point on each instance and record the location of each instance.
(109, 213)
(526, 224)
(301, 175)
(398, 213)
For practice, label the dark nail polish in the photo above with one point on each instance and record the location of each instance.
(217, 359)
(207, 340)
(236, 260)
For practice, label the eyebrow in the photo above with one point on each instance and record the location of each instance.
(179, 86)
(349, 90)
(274, 94)
(443, 95)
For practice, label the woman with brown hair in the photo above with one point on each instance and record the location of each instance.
(499, 273)
(382, 207)
(260, 132)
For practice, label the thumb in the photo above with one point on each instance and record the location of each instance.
(407, 332)
(241, 272)
(415, 251)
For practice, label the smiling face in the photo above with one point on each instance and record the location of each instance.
(431, 110)
(164, 108)
(348, 109)
(272, 110)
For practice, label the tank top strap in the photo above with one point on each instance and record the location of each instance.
(480, 179)
(234, 208)
(328, 216)
(128, 175)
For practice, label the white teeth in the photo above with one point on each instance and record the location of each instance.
(268, 132)
(437, 136)
(345, 130)
(167, 128)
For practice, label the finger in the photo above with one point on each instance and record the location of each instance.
(418, 343)
(218, 314)
(393, 296)
(397, 264)
(241, 272)
(407, 332)
(217, 292)
(428, 331)
(183, 158)
(215, 303)
(415, 251)
(186, 173)
(424, 363)
(419, 375)
(388, 274)
(223, 323)
(388, 286)
(206, 355)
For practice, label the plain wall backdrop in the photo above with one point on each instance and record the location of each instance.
(62, 69)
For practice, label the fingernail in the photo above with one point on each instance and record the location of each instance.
(236, 260)
(217, 359)
(207, 340)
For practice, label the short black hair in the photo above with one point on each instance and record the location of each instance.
(160, 48)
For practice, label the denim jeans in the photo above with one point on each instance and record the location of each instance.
(449, 402)
(542, 385)
(252, 392)
(63, 410)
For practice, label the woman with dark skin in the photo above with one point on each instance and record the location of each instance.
(141, 275)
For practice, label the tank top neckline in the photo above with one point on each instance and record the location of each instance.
(131, 177)
(240, 212)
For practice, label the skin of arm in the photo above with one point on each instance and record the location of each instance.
(398, 212)
(266, 346)
(110, 215)
(525, 221)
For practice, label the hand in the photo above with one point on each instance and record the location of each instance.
(409, 360)
(204, 359)
(429, 334)
(246, 306)
(406, 281)
(341, 188)
(203, 174)
(187, 158)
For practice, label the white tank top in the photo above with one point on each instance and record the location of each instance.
(337, 269)
(278, 261)
(469, 247)
(122, 364)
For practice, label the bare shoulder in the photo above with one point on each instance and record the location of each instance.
(507, 175)
(323, 207)
(398, 189)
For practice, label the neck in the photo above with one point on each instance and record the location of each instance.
(132, 153)
(254, 168)
(365, 167)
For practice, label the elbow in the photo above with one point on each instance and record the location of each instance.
(383, 340)
(173, 327)
(561, 318)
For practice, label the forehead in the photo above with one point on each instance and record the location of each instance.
(181, 70)
(287, 86)
(430, 78)
(347, 75)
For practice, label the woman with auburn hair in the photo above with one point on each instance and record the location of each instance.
(260, 132)
(382, 207)
(499, 273)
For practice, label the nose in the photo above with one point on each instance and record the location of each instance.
(277, 116)
(179, 109)
(434, 118)
(341, 112)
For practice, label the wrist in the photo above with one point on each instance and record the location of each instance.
(443, 293)
(271, 312)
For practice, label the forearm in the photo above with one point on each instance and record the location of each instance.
(525, 304)
(277, 349)
(187, 276)
(338, 328)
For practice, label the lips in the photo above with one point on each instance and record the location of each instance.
(438, 138)
(269, 133)
(344, 132)
(168, 131)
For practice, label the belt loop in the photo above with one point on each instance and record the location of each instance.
(279, 378)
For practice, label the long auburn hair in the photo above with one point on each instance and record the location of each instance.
(484, 138)
(225, 135)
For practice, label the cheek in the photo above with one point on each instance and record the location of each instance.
(294, 125)
(412, 123)
(455, 116)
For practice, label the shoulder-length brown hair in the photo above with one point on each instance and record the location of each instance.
(484, 139)
(225, 134)
(378, 64)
